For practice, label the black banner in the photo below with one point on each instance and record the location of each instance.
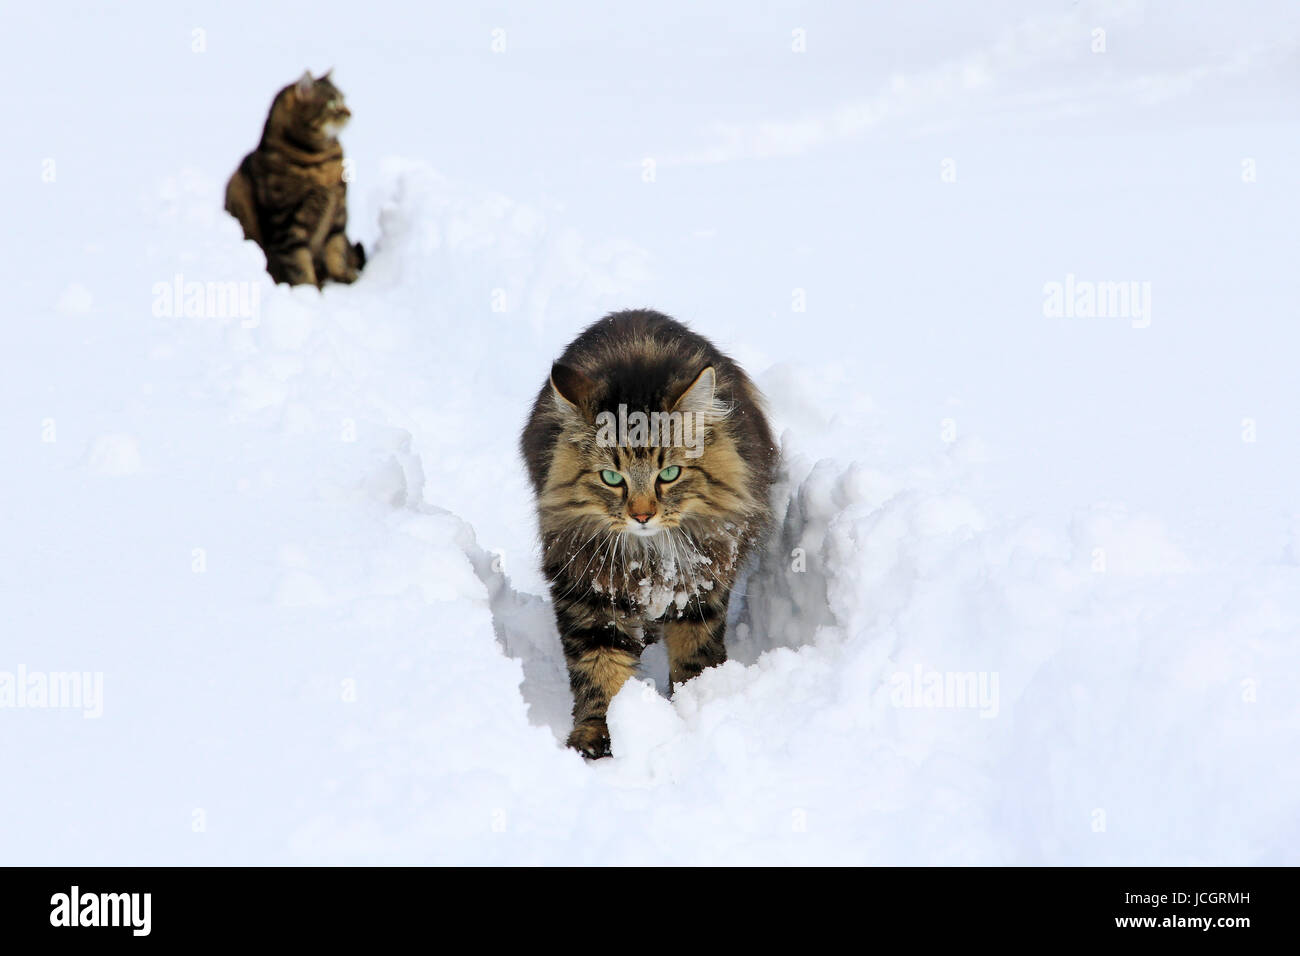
(1160, 905)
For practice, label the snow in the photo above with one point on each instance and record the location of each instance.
(1034, 593)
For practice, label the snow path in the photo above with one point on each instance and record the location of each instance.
(362, 672)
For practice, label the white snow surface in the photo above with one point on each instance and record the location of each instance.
(300, 549)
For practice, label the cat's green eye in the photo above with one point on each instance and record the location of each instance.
(611, 477)
(670, 473)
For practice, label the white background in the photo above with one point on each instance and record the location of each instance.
(349, 680)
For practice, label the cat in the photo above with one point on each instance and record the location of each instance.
(290, 194)
(652, 464)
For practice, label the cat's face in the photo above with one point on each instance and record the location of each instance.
(643, 492)
(313, 110)
(642, 472)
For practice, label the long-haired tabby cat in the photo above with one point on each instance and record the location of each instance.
(289, 194)
(652, 464)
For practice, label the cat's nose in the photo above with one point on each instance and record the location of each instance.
(641, 508)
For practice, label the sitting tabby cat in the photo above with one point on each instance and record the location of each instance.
(644, 531)
(289, 193)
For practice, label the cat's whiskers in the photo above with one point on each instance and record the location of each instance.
(607, 555)
(578, 551)
(622, 556)
(582, 578)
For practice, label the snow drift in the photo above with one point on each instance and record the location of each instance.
(301, 549)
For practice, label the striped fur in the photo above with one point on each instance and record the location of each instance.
(618, 584)
(289, 194)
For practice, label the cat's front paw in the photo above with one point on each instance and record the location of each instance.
(591, 739)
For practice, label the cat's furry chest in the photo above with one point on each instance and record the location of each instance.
(284, 182)
(660, 578)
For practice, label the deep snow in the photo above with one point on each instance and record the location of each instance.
(299, 547)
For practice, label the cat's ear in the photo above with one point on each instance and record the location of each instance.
(326, 74)
(698, 397)
(572, 388)
(305, 83)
